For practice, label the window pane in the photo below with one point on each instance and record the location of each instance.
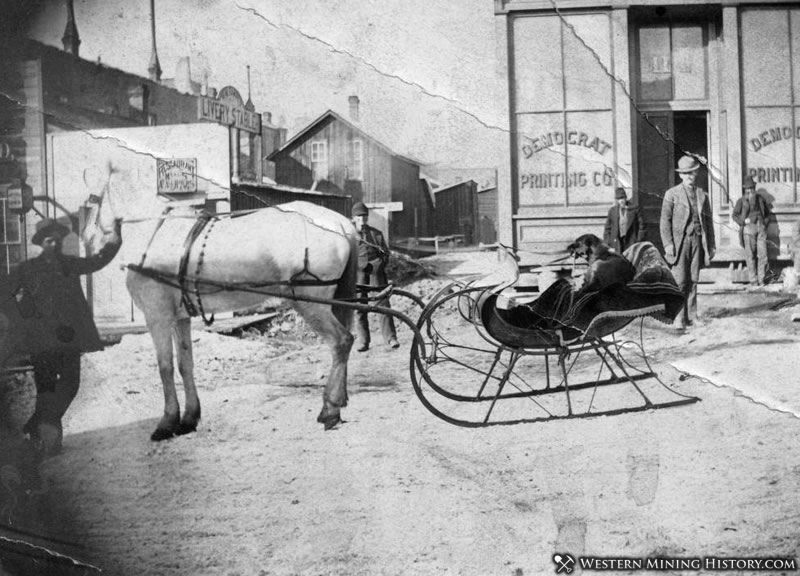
(590, 158)
(588, 83)
(654, 63)
(765, 57)
(541, 152)
(769, 152)
(689, 62)
(537, 64)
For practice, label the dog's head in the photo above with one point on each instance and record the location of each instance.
(584, 246)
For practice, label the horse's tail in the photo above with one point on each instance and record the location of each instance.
(346, 287)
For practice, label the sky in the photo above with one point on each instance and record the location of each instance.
(424, 70)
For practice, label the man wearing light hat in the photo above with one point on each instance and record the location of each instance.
(373, 255)
(687, 233)
(752, 214)
(624, 224)
(57, 325)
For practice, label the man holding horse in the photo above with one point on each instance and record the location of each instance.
(373, 255)
(56, 325)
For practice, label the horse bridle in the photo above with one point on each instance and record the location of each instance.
(97, 202)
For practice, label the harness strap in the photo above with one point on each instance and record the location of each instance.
(158, 227)
(194, 233)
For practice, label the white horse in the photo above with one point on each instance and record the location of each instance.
(295, 250)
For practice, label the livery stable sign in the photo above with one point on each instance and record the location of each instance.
(229, 109)
(176, 175)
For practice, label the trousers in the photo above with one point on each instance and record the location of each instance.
(374, 276)
(58, 377)
(755, 254)
(686, 271)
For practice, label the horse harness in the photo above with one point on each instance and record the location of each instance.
(202, 227)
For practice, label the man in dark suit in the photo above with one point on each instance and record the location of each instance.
(687, 232)
(752, 214)
(624, 223)
(373, 255)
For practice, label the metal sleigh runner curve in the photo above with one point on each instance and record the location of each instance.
(500, 373)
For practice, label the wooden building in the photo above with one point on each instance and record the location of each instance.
(336, 156)
(613, 93)
(487, 215)
(457, 211)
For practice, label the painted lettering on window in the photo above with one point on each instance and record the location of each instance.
(573, 138)
(772, 135)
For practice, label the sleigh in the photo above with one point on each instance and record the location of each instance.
(487, 354)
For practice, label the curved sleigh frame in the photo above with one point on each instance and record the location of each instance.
(474, 365)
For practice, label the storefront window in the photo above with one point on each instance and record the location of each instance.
(771, 94)
(672, 62)
(563, 107)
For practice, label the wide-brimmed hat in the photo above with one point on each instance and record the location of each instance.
(620, 193)
(49, 227)
(687, 164)
(360, 209)
(748, 182)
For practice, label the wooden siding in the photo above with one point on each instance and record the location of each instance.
(487, 216)
(407, 188)
(457, 211)
(293, 167)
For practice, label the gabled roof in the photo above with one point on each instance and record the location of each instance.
(330, 114)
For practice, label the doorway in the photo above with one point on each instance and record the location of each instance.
(663, 137)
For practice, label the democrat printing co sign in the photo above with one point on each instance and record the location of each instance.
(228, 109)
(176, 175)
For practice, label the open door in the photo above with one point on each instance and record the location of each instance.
(663, 137)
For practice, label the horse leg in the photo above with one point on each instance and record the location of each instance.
(183, 345)
(322, 319)
(161, 333)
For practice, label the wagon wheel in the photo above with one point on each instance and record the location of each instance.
(465, 377)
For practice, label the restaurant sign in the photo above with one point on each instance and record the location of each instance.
(176, 175)
(228, 109)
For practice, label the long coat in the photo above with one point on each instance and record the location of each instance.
(54, 312)
(634, 231)
(676, 215)
(742, 208)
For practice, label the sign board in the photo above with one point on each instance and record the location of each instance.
(176, 175)
(228, 109)
(19, 197)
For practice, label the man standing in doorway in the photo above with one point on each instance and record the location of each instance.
(752, 214)
(373, 255)
(624, 224)
(687, 232)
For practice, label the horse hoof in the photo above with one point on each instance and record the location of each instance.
(185, 429)
(161, 434)
(329, 420)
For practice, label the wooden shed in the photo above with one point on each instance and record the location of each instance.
(457, 211)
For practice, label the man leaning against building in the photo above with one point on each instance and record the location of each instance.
(624, 223)
(687, 232)
(752, 214)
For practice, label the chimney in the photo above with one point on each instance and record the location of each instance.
(353, 100)
(155, 68)
(183, 75)
(70, 38)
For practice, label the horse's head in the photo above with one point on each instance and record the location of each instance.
(101, 219)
